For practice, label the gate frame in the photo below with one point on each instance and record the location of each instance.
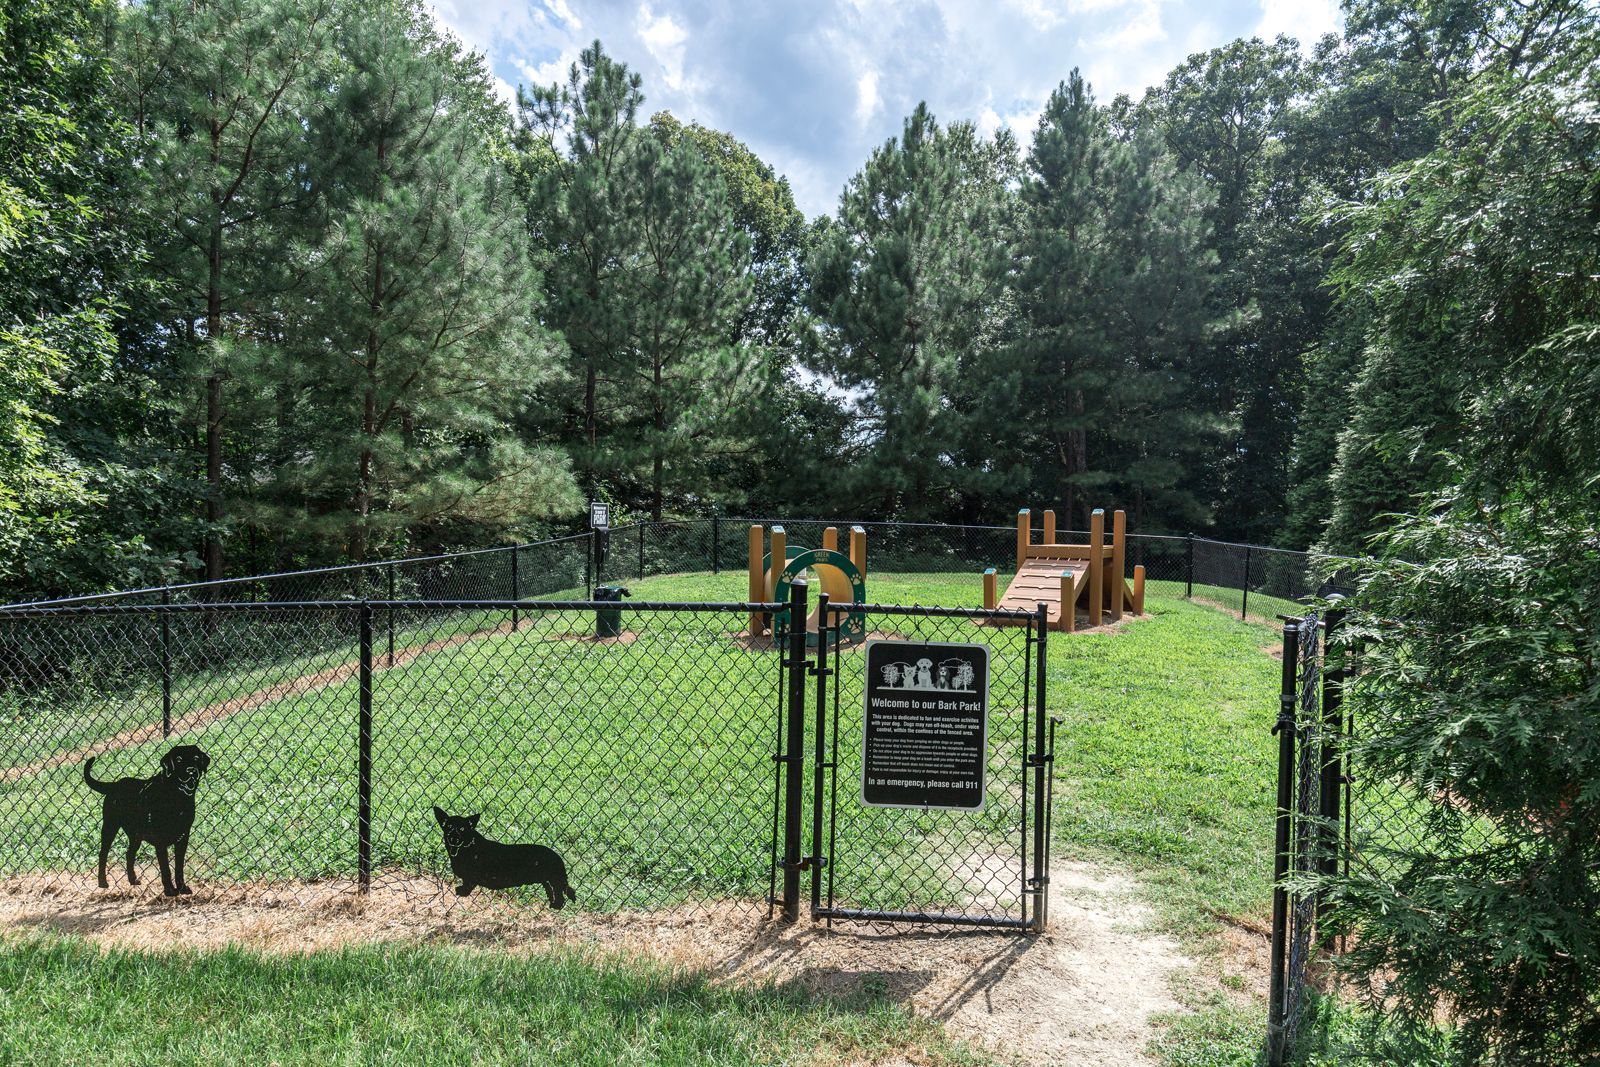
(825, 761)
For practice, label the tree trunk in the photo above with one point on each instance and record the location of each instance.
(214, 412)
(369, 406)
(589, 422)
(658, 464)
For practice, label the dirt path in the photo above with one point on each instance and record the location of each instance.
(1084, 994)
(212, 713)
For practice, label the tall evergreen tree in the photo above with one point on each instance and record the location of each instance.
(576, 140)
(414, 337)
(215, 90)
(764, 209)
(693, 286)
(648, 275)
(1111, 289)
(1230, 114)
(1385, 94)
(902, 283)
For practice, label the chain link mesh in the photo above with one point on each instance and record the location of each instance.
(967, 866)
(644, 758)
(1307, 840)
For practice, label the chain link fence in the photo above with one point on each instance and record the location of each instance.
(1332, 816)
(986, 867)
(659, 749)
(641, 752)
(1252, 580)
(650, 758)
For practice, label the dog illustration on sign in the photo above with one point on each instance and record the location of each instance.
(954, 675)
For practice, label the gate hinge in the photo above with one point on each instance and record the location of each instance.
(807, 863)
(1286, 709)
(1037, 885)
(1040, 759)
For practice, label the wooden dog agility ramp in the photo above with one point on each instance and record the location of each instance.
(1063, 576)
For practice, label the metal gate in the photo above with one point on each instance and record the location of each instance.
(986, 864)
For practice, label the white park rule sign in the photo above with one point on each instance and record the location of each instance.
(925, 726)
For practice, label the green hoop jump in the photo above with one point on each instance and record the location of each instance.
(838, 577)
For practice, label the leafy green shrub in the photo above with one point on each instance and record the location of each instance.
(1479, 699)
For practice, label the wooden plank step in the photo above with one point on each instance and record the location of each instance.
(1039, 581)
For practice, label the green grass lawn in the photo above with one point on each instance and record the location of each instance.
(62, 1001)
(649, 763)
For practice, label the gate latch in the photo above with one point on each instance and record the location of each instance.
(807, 863)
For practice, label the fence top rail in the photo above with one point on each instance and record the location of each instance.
(780, 520)
(703, 607)
(920, 611)
(1273, 550)
(338, 568)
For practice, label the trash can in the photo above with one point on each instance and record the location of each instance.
(608, 621)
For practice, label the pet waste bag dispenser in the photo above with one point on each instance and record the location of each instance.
(608, 620)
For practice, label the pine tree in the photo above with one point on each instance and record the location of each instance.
(648, 272)
(1231, 115)
(414, 337)
(575, 142)
(902, 284)
(693, 287)
(216, 91)
(1111, 284)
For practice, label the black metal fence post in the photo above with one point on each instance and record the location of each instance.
(516, 589)
(364, 757)
(1285, 729)
(793, 755)
(1189, 591)
(1041, 773)
(1244, 606)
(1332, 780)
(716, 543)
(589, 566)
(166, 663)
(819, 673)
(641, 551)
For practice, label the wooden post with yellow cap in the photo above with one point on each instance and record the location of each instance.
(1097, 564)
(1119, 561)
(758, 581)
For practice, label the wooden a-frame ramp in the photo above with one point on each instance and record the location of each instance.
(1063, 576)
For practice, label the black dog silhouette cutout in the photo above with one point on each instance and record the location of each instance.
(478, 861)
(159, 810)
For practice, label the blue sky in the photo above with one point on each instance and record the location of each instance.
(813, 87)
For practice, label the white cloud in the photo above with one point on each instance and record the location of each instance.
(665, 40)
(1021, 121)
(1304, 20)
(866, 96)
(813, 88)
(553, 72)
(560, 10)
(1141, 27)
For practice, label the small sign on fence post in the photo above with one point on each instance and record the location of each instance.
(599, 515)
(926, 725)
